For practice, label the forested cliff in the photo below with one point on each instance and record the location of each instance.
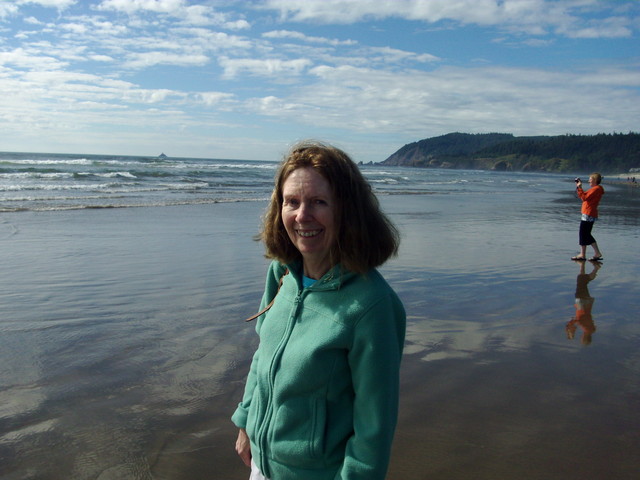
(606, 153)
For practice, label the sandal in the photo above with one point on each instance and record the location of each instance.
(595, 259)
(578, 259)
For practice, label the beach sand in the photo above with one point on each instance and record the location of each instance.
(124, 349)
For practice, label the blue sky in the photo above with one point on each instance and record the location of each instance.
(246, 79)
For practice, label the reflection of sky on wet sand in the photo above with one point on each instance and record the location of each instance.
(492, 387)
(124, 348)
(116, 349)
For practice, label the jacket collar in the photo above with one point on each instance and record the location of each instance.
(332, 280)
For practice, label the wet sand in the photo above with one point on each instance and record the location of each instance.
(124, 349)
(492, 386)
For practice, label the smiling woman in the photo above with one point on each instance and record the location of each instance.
(321, 398)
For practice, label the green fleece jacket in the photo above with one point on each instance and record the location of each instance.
(321, 398)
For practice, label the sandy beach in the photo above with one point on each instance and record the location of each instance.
(124, 349)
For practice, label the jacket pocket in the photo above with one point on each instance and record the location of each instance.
(298, 432)
(317, 438)
(255, 416)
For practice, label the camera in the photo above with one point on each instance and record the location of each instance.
(577, 179)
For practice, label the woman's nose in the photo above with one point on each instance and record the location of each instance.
(304, 213)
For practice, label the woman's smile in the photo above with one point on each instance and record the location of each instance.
(308, 233)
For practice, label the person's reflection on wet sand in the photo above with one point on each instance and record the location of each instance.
(583, 305)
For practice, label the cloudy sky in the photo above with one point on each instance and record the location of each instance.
(245, 79)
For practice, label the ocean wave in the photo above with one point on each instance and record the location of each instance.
(114, 187)
(58, 207)
(219, 166)
(47, 187)
(106, 175)
(34, 174)
(47, 161)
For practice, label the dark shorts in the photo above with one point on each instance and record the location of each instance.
(585, 233)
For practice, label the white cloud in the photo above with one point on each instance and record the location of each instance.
(533, 17)
(32, 21)
(149, 59)
(59, 4)
(131, 6)
(190, 14)
(210, 40)
(237, 25)
(7, 9)
(22, 58)
(214, 98)
(101, 58)
(613, 27)
(69, 88)
(76, 28)
(150, 96)
(321, 50)
(263, 67)
(305, 38)
(393, 55)
(93, 27)
(485, 12)
(625, 77)
(522, 101)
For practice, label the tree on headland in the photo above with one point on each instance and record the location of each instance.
(607, 153)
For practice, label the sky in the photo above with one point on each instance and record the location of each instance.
(247, 79)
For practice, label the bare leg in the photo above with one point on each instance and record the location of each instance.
(582, 254)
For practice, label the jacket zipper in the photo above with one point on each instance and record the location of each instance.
(273, 368)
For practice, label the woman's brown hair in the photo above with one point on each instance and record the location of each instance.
(365, 237)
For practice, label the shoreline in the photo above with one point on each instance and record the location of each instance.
(623, 179)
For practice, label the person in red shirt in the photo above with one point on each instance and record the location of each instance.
(590, 200)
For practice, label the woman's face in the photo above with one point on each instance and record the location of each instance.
(308, 214)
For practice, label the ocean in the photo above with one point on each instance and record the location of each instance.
(126, 281)
(48, 182)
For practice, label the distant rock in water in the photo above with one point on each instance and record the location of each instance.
(162, 156)
(606, 153)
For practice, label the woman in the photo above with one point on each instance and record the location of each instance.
(590, 200)
(321, 397)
